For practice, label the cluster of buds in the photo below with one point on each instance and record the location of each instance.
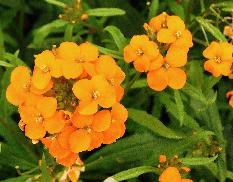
(161, 53)
(172, 170)
(71, 100)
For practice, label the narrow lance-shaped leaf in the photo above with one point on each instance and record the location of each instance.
(152, 123)
(211, 29)
(113, 53)
(154, 6)
(117, 36)
(180, 106)
(132, 173)
(105, 12)
(46, 176)
(198, 160)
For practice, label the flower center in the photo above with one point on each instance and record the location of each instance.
(111, 81)
(217, 59)
(139, 52)
(95, 94)
(166, 65)
(39, 118)
(80, 60)
(27, 86)
(44, 68)
(178, 34)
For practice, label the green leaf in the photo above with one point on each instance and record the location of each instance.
(132, 173)
(17, 179)
(46, 176)
(117, 36)
(113, 53)
(152, 123)
(105, 12)
(5, 64)
(180, 106)
(41, 33)
(225, 4)
(141, 83)
(176, 8)
(211, 29)
(154, 7)
(198, 160)
(57, 3)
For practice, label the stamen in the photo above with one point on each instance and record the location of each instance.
(39, 118)
(95, 94)
(178, 34)
(139, 52)
(27, 86)
(111, 81)
(217, 59)
(166, 66)
(44, 68)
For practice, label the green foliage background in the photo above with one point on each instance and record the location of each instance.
(194, 122)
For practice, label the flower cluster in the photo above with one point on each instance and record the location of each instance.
(220, 59)
(172, 169)
(71, 100)
(162, 52)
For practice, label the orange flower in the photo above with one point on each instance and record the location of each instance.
(162, 158)
(166, 72)
(141, 51)
(230, 96)
(107, 67)
(92, 93)
(75, 59)
(175, 33)
(219, 57)
(39, 114)
(21, 86)
(46, 67)
(170, 174)
(158, 22)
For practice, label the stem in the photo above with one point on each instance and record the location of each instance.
(199, 41)
(205, 35)
(68, 36)
(130, 83)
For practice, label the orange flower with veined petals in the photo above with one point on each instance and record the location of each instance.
(172, 174)
(158, 22)
(75, 59)
(175, 33)
(219, 57)
(21, 86)
(93, 93)
(46, 67)
(107, 67)
(141, 51)
(167, 72)
(39, 115)
(230, 97)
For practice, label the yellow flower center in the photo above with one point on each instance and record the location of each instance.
(27, 86)
(139, 52)
(80, 60)
(178, 34)
(44, 68)
(217, 59)
(111, 81)
(166, 65)
(95, 94)
(39, 118)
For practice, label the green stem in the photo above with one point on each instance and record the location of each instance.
(131, 82)
(205, 35)
(199, 41)
(68, 36)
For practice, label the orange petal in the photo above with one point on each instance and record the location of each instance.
(150, 49)
(156, 22)
(165, 36)
(176, 78)
(176, 57)
(119, 93)
(157, 79)
(138, 41)
(71, 70)
(20, 76)
(44, 59)
(186, 180)
(37, 91)
(175, 23)
(81, 121)
(87, 107)
(156, 63)
(129, 54)
(79, 141)
(57, 151)
(115, 131)
(28, 114)
(15, 97)
(170, 174)
(34, 131)
(55, 124)
(226, 51)
(40, 79)
(142, 63)
(63, 137)
(88, 52)
(119, 112)
(211, 51)
(83, 89)
(102, 121)
(68, 51)
(47, 106)
(90, 68)
(185, 40)
(96, 140)
(46, 141)
(68, 160)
